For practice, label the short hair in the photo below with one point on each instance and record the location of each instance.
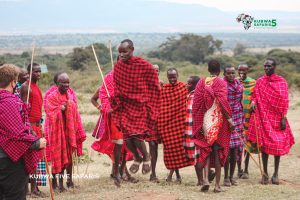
(128, 41)
(243, 64)
(273, 61)
(214, 66)
(55, 78)
(33, 65)
(156, 66)
(227, 67)
(8, 73)
(172, 69)
(195, 80)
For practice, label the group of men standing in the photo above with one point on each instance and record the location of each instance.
(206, 123)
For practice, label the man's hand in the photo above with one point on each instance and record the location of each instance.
(253, 107)
(43, 143)
(63, 107)
(283, 123)
(231, 124)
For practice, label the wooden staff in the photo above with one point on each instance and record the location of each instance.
(30, 75)
(111, 55)
(27, 101)
(258, 146)
(100, 71)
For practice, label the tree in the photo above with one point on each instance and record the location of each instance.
(189, 47)
(239, 49)
(82, 56)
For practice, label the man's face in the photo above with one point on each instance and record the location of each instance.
(189, 85)
(36, 73)
(230, 74)
(23, 76)
(156, 69)
(243, 71)
(172, 77)
(269, 68)
(125, 51)
(63, 83)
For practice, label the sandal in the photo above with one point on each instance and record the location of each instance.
(153, 179)
(131, 179)
(117, 181)
(275, 180)
(146, 167)
(245, 176)
(264, 180)
(227, 182)
(233, 182)
(134, 168)
(218, 190)
(205, 188)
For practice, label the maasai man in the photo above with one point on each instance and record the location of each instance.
(18, 146)
(154, 140)
(248, 84)
(270, 103)
(189, 145)
(35, 119)
(171, 124)
(63, 129)
(211, 123)
(111, 141)
(235, 97)
(135, 103)
(23, 77)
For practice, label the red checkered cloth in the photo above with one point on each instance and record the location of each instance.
(171, 125)
(235, 97)
(36, 103)
(15, 136)
(136, 101)
(271, 99)
(188, 142)
(204, 98)
(65, 131)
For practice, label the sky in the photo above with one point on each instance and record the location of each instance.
(242, 5)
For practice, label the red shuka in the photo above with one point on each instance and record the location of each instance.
(136, 101)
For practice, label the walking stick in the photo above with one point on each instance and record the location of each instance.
(100, 71)
(111, 56)
(258, 146)
(44, 154)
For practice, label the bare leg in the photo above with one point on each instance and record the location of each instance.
(199, 172)
(169, 178)
(117, 155)
(247, 157)
(233, 157)
(153, 146)
(178, 177)
(226, 170)
(265, 178)
(69, 170)
(218, 171)
(275, 179)
(141, 146)
(54, 182)
(131, 146)
(61, 181)
(205, 186)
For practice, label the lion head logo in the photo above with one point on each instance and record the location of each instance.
(245, 19)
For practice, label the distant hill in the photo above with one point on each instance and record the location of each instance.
(144, 42)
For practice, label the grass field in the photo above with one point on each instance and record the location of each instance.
(102, 187)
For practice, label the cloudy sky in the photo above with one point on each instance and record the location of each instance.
(234, 5)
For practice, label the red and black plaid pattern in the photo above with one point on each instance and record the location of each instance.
(188, 143)
(272, 102)
(171, 124)
(136, 101)
(15, 136)
(203, 99)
